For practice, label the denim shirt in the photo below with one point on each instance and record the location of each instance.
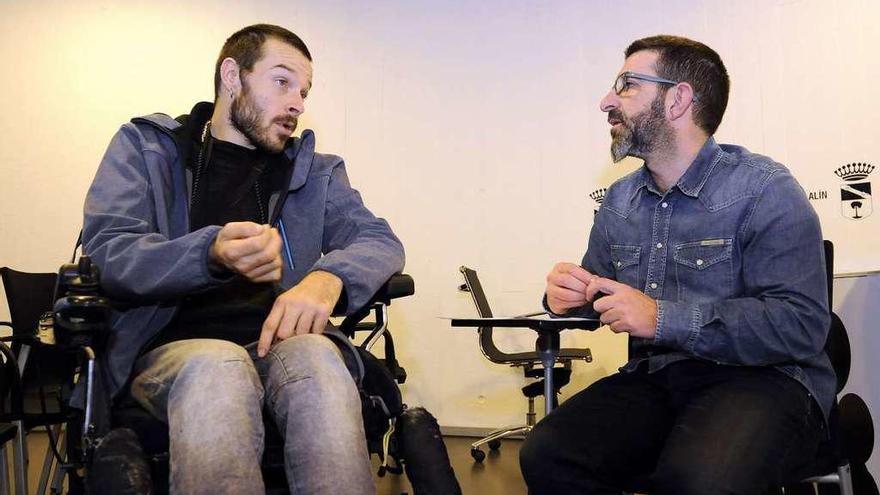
(733, 256)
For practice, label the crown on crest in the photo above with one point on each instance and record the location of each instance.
(854, 171)
(598, 195)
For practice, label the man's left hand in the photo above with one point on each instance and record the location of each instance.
(623, 308)
(302, 309)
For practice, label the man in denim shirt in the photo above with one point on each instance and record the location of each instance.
(710, 257)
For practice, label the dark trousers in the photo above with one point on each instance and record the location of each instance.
(692, 428)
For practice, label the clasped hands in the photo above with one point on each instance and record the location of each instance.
(621, 307)
(254, 251)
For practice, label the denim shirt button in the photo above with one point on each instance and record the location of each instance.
(659, 245)
(664, 204)
(619, 263)
(653, 285)
(699, 262)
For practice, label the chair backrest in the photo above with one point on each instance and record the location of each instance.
(829, 269)
(837, 343)
(487, 344)
(29, 296)
(852, 427)
(472, 282)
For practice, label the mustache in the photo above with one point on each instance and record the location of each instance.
(617, 115)
(292, 121)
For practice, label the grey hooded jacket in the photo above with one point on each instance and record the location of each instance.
(136, 230)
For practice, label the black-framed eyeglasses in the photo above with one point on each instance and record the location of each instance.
(622, 81)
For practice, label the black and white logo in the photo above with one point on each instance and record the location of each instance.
(855, 191)
(598, 196)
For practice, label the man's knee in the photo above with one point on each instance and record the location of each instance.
(307, 356)
(309, 362)
(212, 352)
(220, 362)
(191, 371)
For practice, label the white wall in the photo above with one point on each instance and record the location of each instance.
(473, 127)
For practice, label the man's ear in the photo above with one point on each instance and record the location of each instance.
(680, 98)
(230, 76)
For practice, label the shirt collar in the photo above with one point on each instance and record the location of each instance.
(693, 179)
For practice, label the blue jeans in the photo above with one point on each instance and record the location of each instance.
(211, 393)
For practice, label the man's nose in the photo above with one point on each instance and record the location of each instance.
(609, 101)
(297, 104)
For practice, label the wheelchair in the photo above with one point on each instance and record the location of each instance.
(119, 448)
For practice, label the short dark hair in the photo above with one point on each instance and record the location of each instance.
(685, 60)
(245, 46)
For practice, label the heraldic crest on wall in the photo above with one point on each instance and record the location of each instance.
(855, 191)
(598, 196)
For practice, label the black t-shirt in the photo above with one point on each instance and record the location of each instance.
(234, 186)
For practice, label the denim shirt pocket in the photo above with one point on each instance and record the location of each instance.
(703, 269)
(625, 260)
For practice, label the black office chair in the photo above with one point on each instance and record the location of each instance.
(10, 386)
(529, 361)
(839, 467)
(45, 374)
(842, 457)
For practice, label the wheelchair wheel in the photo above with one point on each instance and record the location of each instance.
(478, 454)
(494, 444)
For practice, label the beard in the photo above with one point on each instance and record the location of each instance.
(642, 134)
(248, 118)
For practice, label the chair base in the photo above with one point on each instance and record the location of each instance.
(842, 478)
(493, 439)
(509, 431)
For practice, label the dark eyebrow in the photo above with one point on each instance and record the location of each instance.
(283, 66)
(290, 69)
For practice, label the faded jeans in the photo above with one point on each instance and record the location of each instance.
(211, 393)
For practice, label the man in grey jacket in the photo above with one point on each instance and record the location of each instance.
(228, 245)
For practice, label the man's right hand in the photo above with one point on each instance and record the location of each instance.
(567, 287)
(250, 249)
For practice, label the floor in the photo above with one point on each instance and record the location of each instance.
(498, 474)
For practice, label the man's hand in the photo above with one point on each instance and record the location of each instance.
(251, 249)
(303, 309)
(566, 287)
(623, 308)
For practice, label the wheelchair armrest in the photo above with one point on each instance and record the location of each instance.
(399, 285)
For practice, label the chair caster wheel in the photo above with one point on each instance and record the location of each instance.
(494, 444)
(478, 455)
